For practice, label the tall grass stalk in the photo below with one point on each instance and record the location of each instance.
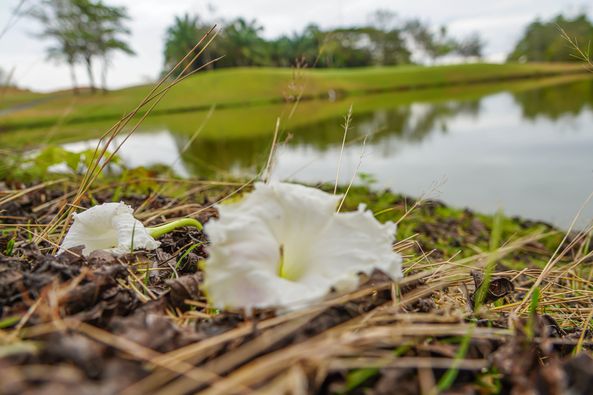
(98, 161)
(346, 126)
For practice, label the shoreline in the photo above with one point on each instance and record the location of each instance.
(336, 91)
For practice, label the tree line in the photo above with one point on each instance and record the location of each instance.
(544, 41)
(89, 32)
(384, 41)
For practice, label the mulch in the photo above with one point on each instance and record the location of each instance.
(140, 324)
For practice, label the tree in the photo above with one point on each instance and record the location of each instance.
(298, 48)
(383, 41)
(433, 44)
(106, 26)
(242, 44)
(471, 46)
(543, 42)
(345, 47)
(67, 51)
(100, 28)
(181, 37)
(58, 18)
(7, 78)
(239, 41)
(82, 30)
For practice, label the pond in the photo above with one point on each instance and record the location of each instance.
(523, 147)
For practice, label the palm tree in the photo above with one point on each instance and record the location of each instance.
(180, 38)
(243, 44)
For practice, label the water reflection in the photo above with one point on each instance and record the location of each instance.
(507, 150)
(410, 123)
(554, 102)
(524, 147)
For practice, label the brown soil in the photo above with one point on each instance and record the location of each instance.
(105, 325)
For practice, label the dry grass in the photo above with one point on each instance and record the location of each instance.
(416, 323)
(273, 355)
(580, 53)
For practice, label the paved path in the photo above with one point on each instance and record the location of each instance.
(24, 106)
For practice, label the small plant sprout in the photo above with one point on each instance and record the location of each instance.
(112, 227)
(10, 247)
(284, 245)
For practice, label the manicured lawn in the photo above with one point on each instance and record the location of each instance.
(257, 121)
(11, 97)
(250, 86)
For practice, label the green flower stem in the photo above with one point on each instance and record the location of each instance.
(158, 231)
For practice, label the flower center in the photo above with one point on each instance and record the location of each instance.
(281, 266)
(288, 267)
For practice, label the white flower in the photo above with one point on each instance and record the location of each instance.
(285, 245)
(108, 226)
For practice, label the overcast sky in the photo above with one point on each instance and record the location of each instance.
(500, 22)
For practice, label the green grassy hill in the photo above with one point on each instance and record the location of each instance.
(253, 86)
(13, 97)
(257, 121)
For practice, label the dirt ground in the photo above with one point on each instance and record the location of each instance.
(140, 324)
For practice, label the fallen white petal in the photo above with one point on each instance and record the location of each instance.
(108, 226)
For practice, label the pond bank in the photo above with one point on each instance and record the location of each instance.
(244, 87)
(142, 323)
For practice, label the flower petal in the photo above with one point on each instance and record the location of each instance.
(241, 242)
(129, 228)
(248, 288)
(92, 228)
(350, 244)
(284, 245)
(107, 226)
